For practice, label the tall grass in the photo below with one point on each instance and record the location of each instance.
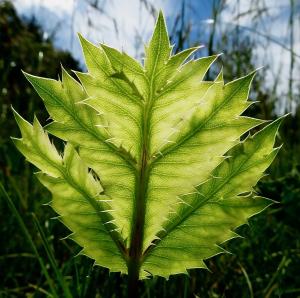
(35, 262)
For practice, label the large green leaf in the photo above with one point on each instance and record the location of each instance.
(154, 175)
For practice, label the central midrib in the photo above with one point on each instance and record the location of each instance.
(139, 208)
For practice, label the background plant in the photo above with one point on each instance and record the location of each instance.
(22, 275)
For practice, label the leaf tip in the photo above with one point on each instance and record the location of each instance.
(259, 68)
(220, 77)
(19, 119)
(161, 15)
(28, 76)
(80, 36)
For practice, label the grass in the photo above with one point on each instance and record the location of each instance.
(263, 264)
(36, 258)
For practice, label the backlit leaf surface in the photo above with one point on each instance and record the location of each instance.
(153, 168)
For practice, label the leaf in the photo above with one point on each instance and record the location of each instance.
(76, 195)
(154, 176)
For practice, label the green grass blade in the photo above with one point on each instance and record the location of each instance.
(25, 231)
(249, 284)
(59, 276)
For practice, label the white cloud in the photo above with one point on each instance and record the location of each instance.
(58, 6)
(127, 24)
(121, 24)
(271, 32)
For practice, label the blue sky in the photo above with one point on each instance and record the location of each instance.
(128, 24)
(63, 19)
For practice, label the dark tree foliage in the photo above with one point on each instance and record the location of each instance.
(264, 264)
(22, 47)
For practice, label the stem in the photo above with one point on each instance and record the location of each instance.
(291, 24)
(133, 280)
(139, 209)
(136, 245)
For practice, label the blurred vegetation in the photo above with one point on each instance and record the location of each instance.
(36, 262)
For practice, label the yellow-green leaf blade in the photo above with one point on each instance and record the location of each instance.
(76, 196)
(83, 127)
(197, 146)
(202, 220)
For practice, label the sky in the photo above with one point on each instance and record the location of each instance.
(62, 19)
(128, 25)
(273, 43)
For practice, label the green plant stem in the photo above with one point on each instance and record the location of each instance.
(15, 212)
(133, 281)
(268, 290)
(139, 208)
(59, 276)
(247, 280)
(136, 246)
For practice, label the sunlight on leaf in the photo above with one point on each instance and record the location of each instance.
(154, 176)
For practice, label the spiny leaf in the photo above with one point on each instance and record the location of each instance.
(214, 209)
(159, 49)
(154, 176)
(76, 196)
